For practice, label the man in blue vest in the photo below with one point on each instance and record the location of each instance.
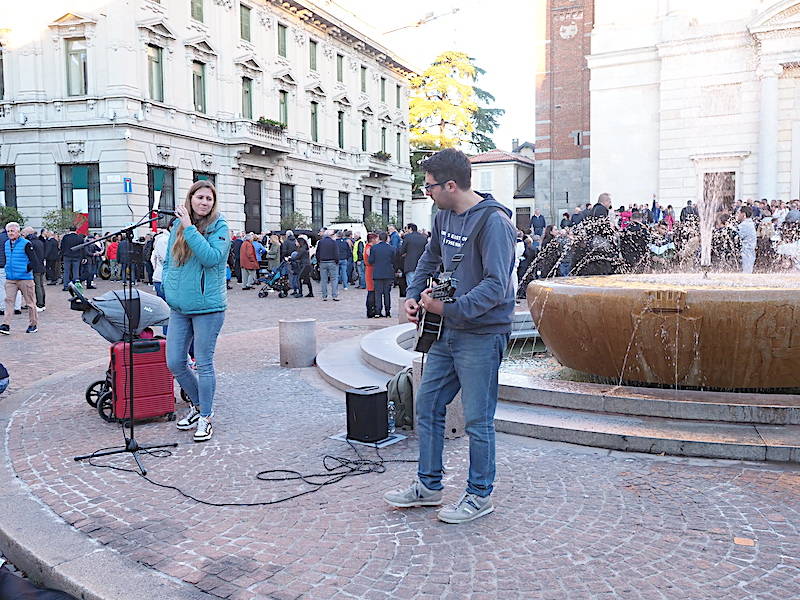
(20, 258)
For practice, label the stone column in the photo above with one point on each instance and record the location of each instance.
(297, 342)
(768, 134)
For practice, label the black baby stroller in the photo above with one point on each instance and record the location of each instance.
(276, 281)
(154, 391)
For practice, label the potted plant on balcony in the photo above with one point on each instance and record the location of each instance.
(381, 155)
(271, 125)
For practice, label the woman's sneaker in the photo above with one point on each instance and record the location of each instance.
(204, 430)
(191, 418)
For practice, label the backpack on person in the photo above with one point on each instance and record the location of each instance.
(400, 390)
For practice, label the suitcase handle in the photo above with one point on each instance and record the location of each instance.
(146, 346)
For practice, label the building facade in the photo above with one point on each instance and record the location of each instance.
(509, 178)
(116, 110)
(562, 104)
(683, 90)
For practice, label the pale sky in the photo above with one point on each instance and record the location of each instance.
(499, 36)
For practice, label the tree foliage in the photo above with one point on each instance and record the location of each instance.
(447, 110)
(9, 214)
(295, 220)
(61, 219)
(374, 222)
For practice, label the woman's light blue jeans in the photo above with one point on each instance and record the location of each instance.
(469, 362)
(204, 329)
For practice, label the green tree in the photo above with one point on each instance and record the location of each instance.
(295, 220)
(447, 110)
(374, 222)
(8, 214)
(61, 219)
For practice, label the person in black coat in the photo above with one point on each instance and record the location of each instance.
(236, 247)
(303, 267)
(411, 249)
(381, 257)
(37, 265)
(72, 258)
(51, 258)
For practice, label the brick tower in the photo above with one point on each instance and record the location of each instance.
(562, 105)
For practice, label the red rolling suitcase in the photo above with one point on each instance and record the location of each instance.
(154, 394)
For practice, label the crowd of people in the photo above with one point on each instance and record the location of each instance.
(747, 236)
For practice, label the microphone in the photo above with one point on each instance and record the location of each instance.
(171, 213)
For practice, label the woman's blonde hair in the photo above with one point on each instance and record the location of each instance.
(180, 249)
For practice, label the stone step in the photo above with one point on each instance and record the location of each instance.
(649, 434)
(340, 364)
(730, 407)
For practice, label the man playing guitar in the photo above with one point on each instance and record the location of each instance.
(473, 240)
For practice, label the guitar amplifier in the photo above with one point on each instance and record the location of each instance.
(367, 414)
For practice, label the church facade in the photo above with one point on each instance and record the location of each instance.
(682, 91)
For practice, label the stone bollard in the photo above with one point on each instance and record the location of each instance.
(454, 419)
(297, 342)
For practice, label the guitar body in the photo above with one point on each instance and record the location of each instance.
(429, 327)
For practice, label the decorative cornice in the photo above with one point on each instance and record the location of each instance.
(719, 156)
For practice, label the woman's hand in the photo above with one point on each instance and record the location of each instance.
(183, 215)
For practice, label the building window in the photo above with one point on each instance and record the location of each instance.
(366, 205)
(287, 200)
(385, 209)
(363, 79)
(383, 139)
(486, 181)
(76, 67)
(197, 10)
(398, 144)
(80, 191)
(364, 135)
(244, 22)
(340, 121)
(397, 96)
(247, 98)
(155, 72)
(281, 40)
(312, 55)
(199, 86)
(383, 89)
(339, 67)
(161, 191)
(2, 78)
(8, 187)
(314, 122)
(401, 207)
(317, 208)
(344, 204)
(201, 176)
(283, 107)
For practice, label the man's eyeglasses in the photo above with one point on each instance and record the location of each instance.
(429, 186)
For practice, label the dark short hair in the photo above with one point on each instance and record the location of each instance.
(412, 226)
(449, 165)
(383, 236)
(748, 212)
(73, 228)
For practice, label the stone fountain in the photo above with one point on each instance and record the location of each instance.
(726, 332)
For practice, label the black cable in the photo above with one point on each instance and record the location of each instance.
(337, 468)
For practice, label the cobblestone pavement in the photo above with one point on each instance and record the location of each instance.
(570, 522)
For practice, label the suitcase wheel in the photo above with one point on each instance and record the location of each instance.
(283, 294)
(263, 294)
(105, 407)
(171, 416)
(94, 391)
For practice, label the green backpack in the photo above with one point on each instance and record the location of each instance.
(400, 390)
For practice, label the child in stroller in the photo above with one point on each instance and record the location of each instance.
(276, 281)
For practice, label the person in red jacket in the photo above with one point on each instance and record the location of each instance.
(111, 255)
(371, 239)
(249, 262)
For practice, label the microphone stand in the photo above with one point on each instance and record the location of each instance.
(131, 445)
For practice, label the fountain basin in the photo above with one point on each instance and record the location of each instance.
(731, 331)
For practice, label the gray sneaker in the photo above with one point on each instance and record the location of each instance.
(469, 507)
(416, 495)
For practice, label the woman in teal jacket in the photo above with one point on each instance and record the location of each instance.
(194, 286)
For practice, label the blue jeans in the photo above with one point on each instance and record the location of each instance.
(409, 278)
(343, 273)
(362, 274)
(466, 361)
(329, 271)
(160, 293)
(72, 271)
(204, 329)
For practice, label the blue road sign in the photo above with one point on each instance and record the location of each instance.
(127, 185)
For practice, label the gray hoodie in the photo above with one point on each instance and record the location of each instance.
(485, 291)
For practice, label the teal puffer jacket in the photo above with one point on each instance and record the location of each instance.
(198, 285)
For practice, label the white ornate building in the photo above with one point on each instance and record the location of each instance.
(117, 108)
(681, 89)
